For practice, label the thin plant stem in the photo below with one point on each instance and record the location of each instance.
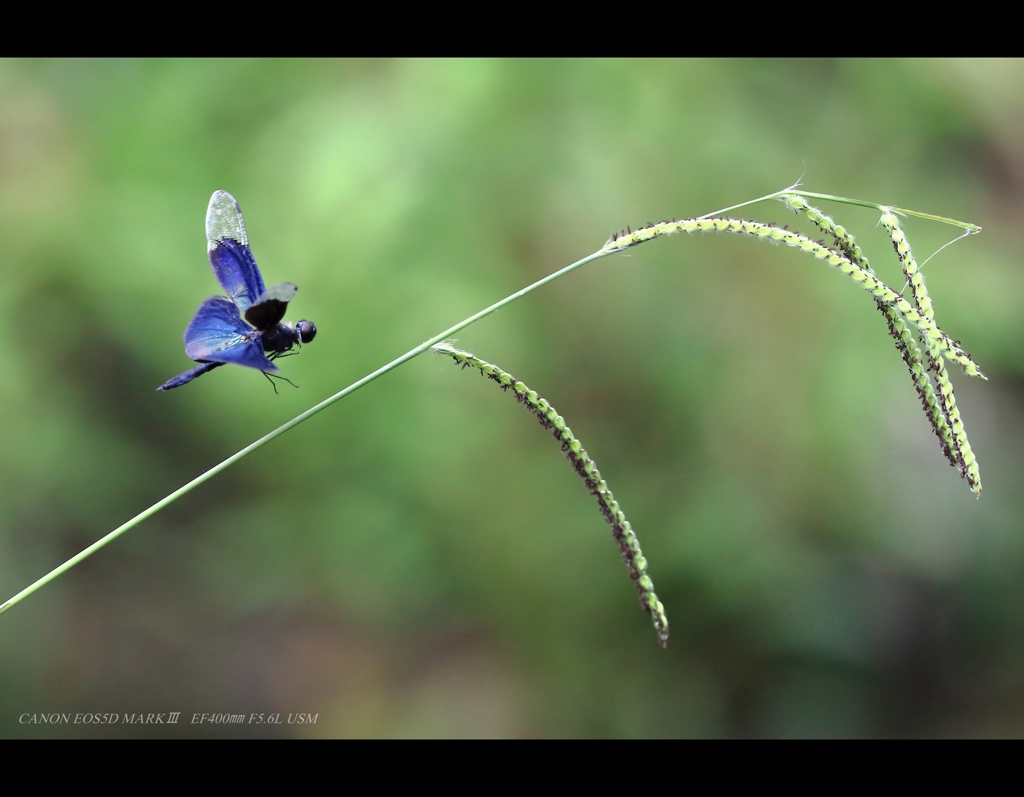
(972, 228)
(425, 346)
(608, 249)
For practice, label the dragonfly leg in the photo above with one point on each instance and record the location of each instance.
(271, 377)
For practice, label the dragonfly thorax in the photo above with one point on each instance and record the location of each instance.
(283, 337)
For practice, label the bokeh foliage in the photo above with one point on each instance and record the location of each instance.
(419, 559)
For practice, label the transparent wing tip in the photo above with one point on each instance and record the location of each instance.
(282, 292)
(224, 220)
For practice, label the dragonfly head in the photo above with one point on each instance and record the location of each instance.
(306, 330)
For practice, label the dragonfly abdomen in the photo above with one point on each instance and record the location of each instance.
(188, 376)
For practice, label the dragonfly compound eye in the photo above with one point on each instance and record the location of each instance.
(306, 330)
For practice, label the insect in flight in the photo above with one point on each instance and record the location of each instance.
(217, 335)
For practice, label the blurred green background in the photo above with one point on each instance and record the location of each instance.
(420, 560)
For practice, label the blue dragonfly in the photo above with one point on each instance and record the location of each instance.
(217, 335)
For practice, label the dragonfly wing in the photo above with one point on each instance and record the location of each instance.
(250, 354)
(217, 334)
(271, 306)
(228, 247)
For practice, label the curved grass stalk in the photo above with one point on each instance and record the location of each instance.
(629, 545)
(769, 232)
(618, 243)
(971, 228)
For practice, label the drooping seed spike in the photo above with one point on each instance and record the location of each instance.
(622, 532)
(915, 278)
(939, 406)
